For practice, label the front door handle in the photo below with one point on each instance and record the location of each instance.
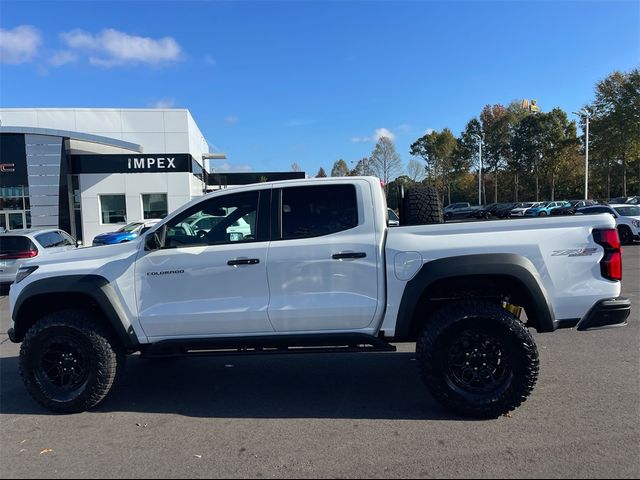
(348, 255)
(243, 261)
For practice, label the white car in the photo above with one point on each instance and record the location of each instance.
(627, 219)
(521, 208)
(18, 246)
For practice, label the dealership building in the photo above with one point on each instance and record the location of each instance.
(89, 171)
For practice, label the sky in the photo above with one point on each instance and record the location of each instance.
(273, 83)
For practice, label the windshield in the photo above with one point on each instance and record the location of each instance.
(631, 211)
(132, 227)
(392, 215)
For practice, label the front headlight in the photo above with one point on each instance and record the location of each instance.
(24, 272)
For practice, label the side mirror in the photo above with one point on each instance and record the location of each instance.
(236, 237)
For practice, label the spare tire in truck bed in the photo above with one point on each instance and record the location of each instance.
(421, 206)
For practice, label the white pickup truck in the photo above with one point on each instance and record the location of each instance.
(318, 271)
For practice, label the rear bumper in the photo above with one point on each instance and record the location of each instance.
(612, 312)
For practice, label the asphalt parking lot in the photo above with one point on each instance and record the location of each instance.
(338, 415)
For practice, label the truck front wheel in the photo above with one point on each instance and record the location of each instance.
(69, 361)
(477, 359)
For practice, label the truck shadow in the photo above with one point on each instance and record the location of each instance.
(363, 386)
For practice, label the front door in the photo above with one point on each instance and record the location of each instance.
(208, 279)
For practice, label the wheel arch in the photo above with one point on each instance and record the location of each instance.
(449, 279)
(92, 292)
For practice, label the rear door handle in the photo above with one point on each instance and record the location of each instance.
(243, 261)
(348, 255)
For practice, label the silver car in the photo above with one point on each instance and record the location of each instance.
(18, 246)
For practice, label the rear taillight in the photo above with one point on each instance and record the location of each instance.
(17, 255)
(611, 263)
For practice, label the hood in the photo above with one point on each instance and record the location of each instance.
(91, 254)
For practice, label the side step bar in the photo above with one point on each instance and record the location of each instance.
(285, 344)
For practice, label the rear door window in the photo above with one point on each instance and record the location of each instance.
(318, 210)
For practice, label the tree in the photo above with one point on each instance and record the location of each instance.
(416, 170)
(362, 168)
(321, 173)
(340, 169)
(496, 123)
(615, 124)
(559, 143)
(438, 151)
(526, 145)
(295, 167)
(385, 161)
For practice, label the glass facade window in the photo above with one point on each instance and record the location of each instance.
(154, 205)
(113, 209)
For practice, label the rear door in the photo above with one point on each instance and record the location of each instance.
(322, 264)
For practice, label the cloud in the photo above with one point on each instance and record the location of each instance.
(163, 103)
(19, 45)
(429, 131)
(377, 135)
(112, 48)
(383, 132)
(62, 57)
(231, 120)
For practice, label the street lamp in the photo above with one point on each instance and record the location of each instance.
(480, 140)
(586, 114)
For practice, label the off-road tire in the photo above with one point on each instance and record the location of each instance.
(626, 237)
(421, 206)
(75, 337)
(445, 336)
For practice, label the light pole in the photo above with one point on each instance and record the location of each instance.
(480, 140)
(584, 112)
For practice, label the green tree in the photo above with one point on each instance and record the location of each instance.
(361, 169)
(615, 125)
(496, 125)
(340, 169)
(321, 173)
(438, 149)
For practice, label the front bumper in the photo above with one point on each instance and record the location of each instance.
(612, 312)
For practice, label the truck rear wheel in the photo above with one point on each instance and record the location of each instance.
(69, 362)
(421, 206)
(477, 359)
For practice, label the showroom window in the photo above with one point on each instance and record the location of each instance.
(113, 209)
(154, 205)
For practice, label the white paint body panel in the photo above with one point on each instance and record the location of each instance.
(297, 287)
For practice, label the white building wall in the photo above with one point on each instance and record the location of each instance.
(175, 185)
(156, 130)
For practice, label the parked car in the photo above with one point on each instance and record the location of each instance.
(457, 210)
(627, 219)
(127, 233)
(545, 209)
(504, 210)
(18, 246)
(392, 218)
(619, 200)
(634, 200)
(574, 205)
(487, 211)
(520, 209)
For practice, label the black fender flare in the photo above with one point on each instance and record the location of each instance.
(95, 287)
(515, 267)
